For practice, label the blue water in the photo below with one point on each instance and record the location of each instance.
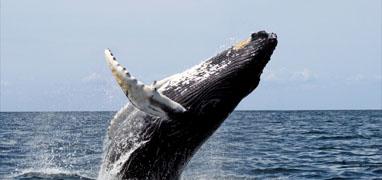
(249, 145)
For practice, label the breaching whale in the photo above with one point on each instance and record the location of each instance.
(156, 134)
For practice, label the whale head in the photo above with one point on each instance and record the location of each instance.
(215, 87)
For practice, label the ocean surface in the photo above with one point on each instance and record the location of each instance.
(249, 145)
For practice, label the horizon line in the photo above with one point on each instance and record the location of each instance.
(238, 110)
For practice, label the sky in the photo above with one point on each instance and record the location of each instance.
(328, 55)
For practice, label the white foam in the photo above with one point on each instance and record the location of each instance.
(117, 166)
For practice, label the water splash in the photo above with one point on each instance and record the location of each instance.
(59, 144)
(124, 136)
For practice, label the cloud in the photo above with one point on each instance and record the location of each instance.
(359, 77)
(92, 77)
(284, 75)
(270, 76)
(304, 75)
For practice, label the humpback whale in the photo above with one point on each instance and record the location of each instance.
(156, 134)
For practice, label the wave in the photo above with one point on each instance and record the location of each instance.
(50, 174)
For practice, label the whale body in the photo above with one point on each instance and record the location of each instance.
(157, 133)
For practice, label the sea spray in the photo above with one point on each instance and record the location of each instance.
(133, 138)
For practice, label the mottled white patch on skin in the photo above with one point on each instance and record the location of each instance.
(143, 97)
(197, 73)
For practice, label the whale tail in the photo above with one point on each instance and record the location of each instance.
(143, 97)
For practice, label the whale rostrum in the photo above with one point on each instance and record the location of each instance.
(144, 97)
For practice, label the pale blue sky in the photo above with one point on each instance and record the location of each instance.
(328, 57)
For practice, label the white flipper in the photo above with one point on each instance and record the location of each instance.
(145, 98)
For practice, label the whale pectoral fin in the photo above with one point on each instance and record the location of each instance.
(145, 98)
(166, 104)
(160, 83)
(120, 73)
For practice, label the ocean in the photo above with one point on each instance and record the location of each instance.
(248, 145)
